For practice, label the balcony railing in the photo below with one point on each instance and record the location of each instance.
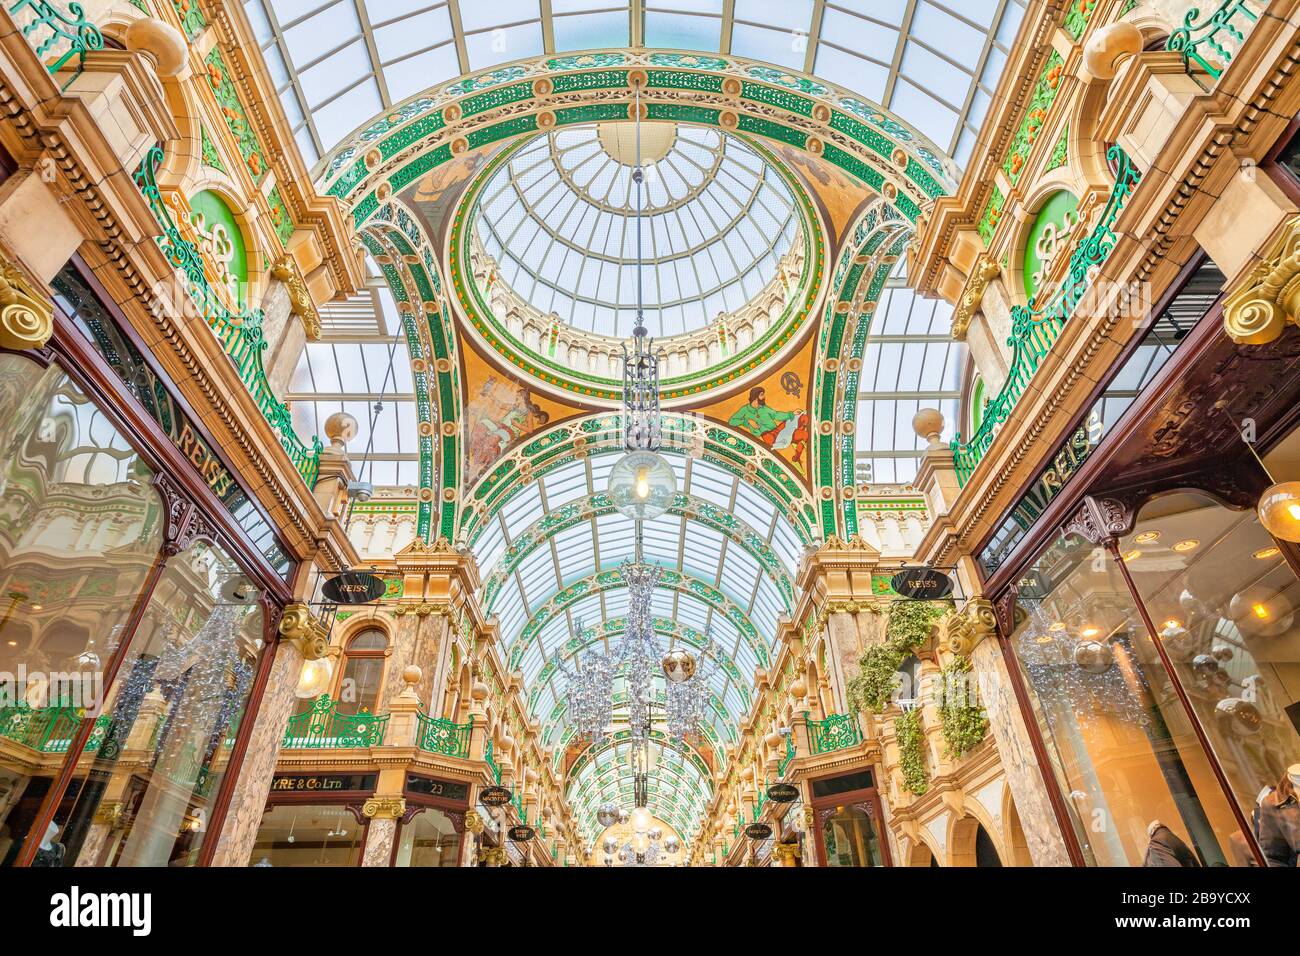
(492, 764)
(240, 334)
(56, 36)
(438, 735)
(49, 729)
(784, 762)
(1034, 329)
(836, 732)
(1211, 43)
(324, 728)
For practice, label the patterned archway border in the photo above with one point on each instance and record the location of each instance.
(612, 580)
(679, 801)
(690, 507)
(612, 629)
(542, 93)
(866, 259)
(601, 435)
(555, 373)
(406, 257)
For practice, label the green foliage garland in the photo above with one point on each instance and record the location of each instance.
(964, 724)
(911, 751)
(908, 628)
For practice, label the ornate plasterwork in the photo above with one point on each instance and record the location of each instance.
(384, 808)
(26, 316)
(1257, 311)
(976, 621)
(303, 629)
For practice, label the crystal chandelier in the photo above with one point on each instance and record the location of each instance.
(688, 700)
(590, 690)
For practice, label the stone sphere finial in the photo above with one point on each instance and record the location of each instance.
(162, 41)
(1108, 46)
(928, 423)
(411, 674)
(341, 428)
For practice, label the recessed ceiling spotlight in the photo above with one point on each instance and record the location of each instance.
(1187, 545)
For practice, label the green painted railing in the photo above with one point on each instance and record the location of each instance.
(441, 736)
(324, 728)
(1210, 44)
(240, 335)
(49, 729)
(492, 764)
(836, 732)
(56, 36)
(784, 762)
(1034, 330)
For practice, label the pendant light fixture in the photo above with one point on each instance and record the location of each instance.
(641, 485)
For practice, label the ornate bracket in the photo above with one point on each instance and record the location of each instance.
(26, 316)
(300, 302)
(1098, 520)
(967, 628)
(1258, 311)
(985, 271)
(305, 631)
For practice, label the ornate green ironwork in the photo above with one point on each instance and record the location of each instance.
(836, 732)
(1034, 330)
(240, 335)
(1210, 43)
(49, 729)
(53, 33)
(441, 736)
(784, 762)
(324, 728)
(492, 764)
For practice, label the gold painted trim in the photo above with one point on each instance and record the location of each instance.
(1259, 310)
(26, 315)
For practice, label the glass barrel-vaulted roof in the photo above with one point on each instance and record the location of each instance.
(337, 63)
(559, 220)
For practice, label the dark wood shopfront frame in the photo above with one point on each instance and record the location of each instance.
(1103, 497)
(867, 798)
(191, 513)
(353, 801)
(417, 802)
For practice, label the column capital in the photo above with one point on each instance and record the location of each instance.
(384, 808)
(26, 315)
(976, 621)
(305, 631)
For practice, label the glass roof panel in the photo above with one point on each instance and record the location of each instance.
(926, 56)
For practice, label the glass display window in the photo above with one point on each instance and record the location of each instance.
(309, 835)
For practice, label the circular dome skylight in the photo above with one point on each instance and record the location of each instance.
(559, 220)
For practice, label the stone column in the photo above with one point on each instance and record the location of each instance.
(839, 575)
(973, 632)
(381, 830)
(302, 637)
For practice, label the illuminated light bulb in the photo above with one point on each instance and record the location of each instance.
(1090, 631)
(1057, 626)
(1260, 611)
(1146, 536)
(643, 484)
(1263, 554)
(1187, 545)
(1132, 555)
(1173, 622)
(640, 819)
(314, 679)
(640, 843)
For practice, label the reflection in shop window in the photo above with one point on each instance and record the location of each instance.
(311, 835)
(428, 839)
(80, 529)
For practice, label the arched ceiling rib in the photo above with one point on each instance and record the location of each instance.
(934, 62)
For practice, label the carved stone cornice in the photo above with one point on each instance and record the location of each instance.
(303, 629)
(1257, 311)
(985, 271)
(976, 621)
(300, 302)
(423, 610)
(384, 808)
(26, 315)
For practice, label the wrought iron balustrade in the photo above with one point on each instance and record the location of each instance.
(1211, 43)
(836, 732)
(55, 34)
(49, 729)
(784, 762)
(324, 728)
(441, 736)
(1035, 329)
(240, 333)
(492, 764)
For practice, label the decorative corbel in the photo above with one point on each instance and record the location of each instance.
(423, 610)
(305, 631)
(972, 624)
(384, 808)
(300, 303)
(1258, 311)
(985, 271)
(26, 316)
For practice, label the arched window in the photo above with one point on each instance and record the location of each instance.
(362, 677)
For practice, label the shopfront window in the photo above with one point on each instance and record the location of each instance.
(1138, 785)
(428, 839)
(147, 779)
(308, 835)
(849, 836)
(80, 532)
(1225, 602)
